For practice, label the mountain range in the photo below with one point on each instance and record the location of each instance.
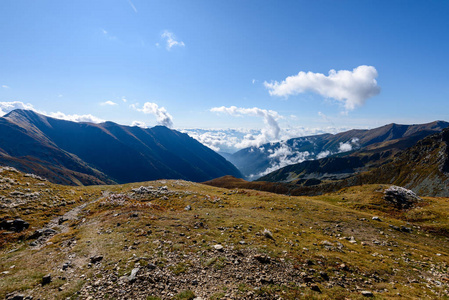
(255, 162)
(85, 153)
(423, 168)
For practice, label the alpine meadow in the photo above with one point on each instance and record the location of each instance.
(193, 150)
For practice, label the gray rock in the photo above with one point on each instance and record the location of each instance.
(46, 279)
(377, 219)
(315, 287)
(188, 207)
(218, 247)
(66, 266)
(264, 259)
(42, 232)
(401, 197)
(352, 240)
(16, 225)
(367, 294)
(96, 258)
(133, 275)
(406, 229)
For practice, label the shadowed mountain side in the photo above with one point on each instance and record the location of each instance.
(29, 150)
(256, 160)
(422, 168)
(122, 153)
(344, 165)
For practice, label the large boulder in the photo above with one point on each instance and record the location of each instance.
(400, 197)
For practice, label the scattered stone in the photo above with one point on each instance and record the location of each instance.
(15, 297)
(218, 247)
(266, 233)
(46, 279)
(367, 294)
(42, 232)
(310, 262)
(395, 227)
(266, 280)
(315, 288)
(96, 258)
(352, 240)
(133, 275)
(264, 259)
(306, 278)
(188, 207)
(66, 265)
(406, 229)
(16, 225)
(324, 275)
(377, 219)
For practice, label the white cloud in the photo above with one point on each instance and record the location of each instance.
(217, 140)
(110, 103)
(282, 156)
(75, 118)
(162, 116)
(171, 40)
(124, 99)
(323, 154)
(349, 145)
(6, 107)
(5, 86)
(352, 88)
(139, 124)
(233, 139)
(345, 147)
(269, 133)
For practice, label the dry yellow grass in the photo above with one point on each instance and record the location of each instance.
(308, 233)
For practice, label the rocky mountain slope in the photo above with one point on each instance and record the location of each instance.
(85, 153)
(182, 240)
(255, 162)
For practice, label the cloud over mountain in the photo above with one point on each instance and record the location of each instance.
(162, 116)
(6, 107)
(270, 118)
(352, 88)
(75, 118)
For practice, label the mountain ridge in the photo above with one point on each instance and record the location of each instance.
(122, 153)
(257, 160)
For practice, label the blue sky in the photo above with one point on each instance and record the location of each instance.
(187, 59)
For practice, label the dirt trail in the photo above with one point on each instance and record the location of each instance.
(59, 224)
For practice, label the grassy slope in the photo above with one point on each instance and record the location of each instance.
(309, 238)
